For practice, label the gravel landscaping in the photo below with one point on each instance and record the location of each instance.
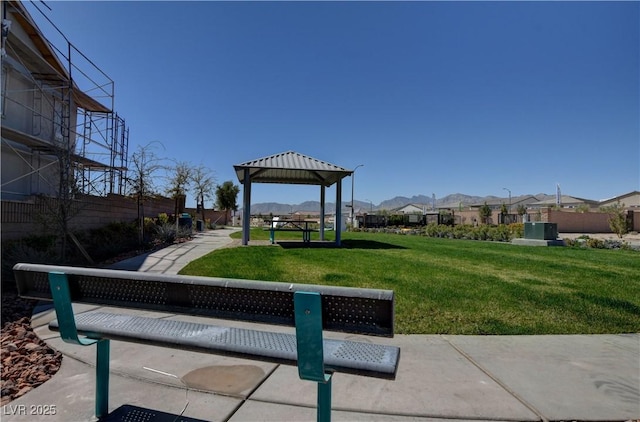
(27, 361)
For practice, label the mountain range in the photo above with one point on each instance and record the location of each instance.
(450, 201)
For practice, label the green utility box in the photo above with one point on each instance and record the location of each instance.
(185, 222)
(541, 231)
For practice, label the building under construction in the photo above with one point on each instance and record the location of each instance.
(60, 132)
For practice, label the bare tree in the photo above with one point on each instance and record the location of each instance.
(618, 221)
(179, 183)
(202, 184)
(142, 183)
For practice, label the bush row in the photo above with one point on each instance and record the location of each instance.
(589, 242)
(500, 233)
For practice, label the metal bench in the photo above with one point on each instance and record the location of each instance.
(308, 308)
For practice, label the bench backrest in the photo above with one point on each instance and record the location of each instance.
(352, 310)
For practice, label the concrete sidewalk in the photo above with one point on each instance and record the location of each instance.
(491, 378)
(173, 258)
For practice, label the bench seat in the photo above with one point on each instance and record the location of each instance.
(359, 358)
(311, 309)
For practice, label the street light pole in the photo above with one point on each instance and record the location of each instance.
(353, 177)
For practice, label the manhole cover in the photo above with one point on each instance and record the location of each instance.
(233, 379)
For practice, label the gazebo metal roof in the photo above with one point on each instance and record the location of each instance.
(291, 167)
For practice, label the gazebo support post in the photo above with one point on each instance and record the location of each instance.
(338, 227)
(246, 208)
(322, 210)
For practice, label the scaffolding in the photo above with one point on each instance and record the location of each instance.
(69, 102)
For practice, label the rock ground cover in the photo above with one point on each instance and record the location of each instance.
(27, 361)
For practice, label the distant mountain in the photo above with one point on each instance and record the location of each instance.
(450, 201)
(456, 199)
(314, 206)
(266, 208)
(401, 201)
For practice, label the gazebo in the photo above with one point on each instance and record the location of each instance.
(291, 168)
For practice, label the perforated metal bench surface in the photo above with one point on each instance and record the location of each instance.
(352, 310)
(367, 359)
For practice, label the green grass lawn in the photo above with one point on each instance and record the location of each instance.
(458, 286)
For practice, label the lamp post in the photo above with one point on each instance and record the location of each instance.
(353, 177)
(509, 199)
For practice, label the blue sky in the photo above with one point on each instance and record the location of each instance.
(432, 97)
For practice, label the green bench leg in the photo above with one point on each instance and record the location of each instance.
(68, 332)
(308, 314)
(324, 401)
(102, 378)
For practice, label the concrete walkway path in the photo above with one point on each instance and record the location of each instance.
(173, 258)
(441, 377)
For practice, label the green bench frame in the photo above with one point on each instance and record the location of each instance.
(313, 308)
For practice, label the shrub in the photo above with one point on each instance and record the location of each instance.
(613, 244)
(463, 231)
(430, 230)
(183, 233)
(168, 233)
(109, 241)
(517, 230)
(163, 218)
(165, 233)
(501, 233)
(617, 219)
(583, 208)
(149, 226)
(439, 230)
(396, 220)
(595, 243)
(481, 232)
